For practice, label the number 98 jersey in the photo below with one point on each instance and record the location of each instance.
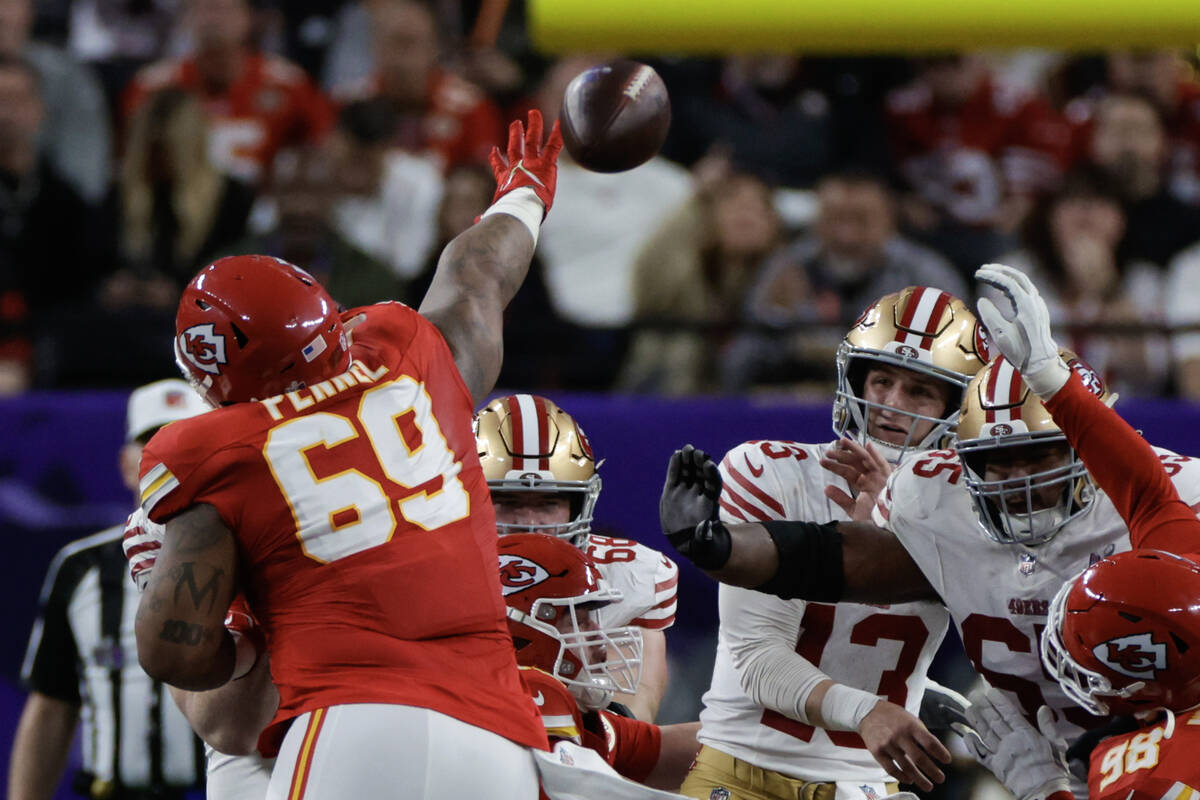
(365, 532)
(885, 650)
(646, 578)
(1146, 764)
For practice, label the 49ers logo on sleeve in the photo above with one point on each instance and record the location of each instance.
(203, 347)
(1137, 656)
(518, 574)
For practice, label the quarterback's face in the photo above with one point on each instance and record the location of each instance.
(531, 508)
(905, 391)
(1022, 462)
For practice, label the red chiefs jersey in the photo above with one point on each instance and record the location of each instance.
(1146, 765)
(271, 105)
(965, 161)
(458, 125)
(630, 746)
(365, 532)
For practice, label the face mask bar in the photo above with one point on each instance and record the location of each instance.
(581, 494)
(851, 411)
(1006, 508)
(1086, 687)
(595, 663)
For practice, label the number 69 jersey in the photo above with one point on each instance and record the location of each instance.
(885, 650)
(999, 594)
(365, 532)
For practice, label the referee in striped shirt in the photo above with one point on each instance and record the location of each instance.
(82, 660)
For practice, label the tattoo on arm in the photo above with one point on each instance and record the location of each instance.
(178, 631)
(184, 576)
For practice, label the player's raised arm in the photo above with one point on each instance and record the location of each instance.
(1136, 483)
(838, 561)
(481, 269)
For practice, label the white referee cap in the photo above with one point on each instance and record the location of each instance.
(155, 404)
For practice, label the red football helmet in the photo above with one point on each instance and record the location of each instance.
(553, 591)
(251, 327)
(1124, 636)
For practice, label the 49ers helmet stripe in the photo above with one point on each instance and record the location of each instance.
(530, 432)
(1004, 381)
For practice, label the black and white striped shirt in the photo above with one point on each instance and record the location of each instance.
(83, 651)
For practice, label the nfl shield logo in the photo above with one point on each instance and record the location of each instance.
(1028, 563)
(720, 793)
(869, 792)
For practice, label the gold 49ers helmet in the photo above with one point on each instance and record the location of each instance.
(527, 443)
(1000, 413)
(921, 329)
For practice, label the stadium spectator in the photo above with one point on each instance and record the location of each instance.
(75, 136)
(53, 245)
(178, 212)
(116, 37)
(82, 659)
(695, 270)
(1182, 307)
(257, 103)
(763, 111)
(1165, 78)
(1129, 143)
(437, 112)
(973, 152)
(852, 256)
(1072, 251)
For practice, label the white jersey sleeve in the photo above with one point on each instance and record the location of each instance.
(647, 579)
(771, 652)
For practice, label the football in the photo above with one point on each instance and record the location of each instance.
(615, 116)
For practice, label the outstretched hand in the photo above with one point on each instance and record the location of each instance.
(1021, 329)
(864, 468)
(527, 162)
(689, 506)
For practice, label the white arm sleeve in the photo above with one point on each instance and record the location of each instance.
(761, 631)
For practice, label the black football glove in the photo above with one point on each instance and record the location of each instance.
(689, 506)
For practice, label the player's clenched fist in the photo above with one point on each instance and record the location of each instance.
(142, 542)
(527, 162)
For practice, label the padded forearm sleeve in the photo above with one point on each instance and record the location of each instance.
(810, 561)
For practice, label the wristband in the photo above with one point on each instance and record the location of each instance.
(844, 707)
(524, 204)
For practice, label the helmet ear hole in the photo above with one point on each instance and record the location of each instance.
(1180, 644)
(239, 334)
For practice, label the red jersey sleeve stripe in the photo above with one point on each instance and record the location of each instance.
(733, 510)
(746, 506)
(653, 624)
(670, 583)
(757, 493)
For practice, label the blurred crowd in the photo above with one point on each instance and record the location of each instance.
(141, 139)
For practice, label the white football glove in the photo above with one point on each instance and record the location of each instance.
(1021, 757)
(142, 542)
(1023, 333)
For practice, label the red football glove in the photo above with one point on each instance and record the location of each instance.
(142, 542)
(247, 635)
(528, 162)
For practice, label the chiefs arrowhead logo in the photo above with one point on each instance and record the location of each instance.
(518, 573)
(203, 347)
(1137, 656)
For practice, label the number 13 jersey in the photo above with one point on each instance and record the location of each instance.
(365, 533)
(885, 650)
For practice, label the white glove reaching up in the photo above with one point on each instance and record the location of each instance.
(1019, 755)
(142, 542)
(1023, 334)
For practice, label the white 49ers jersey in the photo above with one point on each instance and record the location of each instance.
(999, 594)
(884, 650)
(647, 579)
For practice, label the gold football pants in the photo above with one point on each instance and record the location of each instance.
(720, 776)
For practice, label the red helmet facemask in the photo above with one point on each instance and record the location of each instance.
(252, 327)
(1124, 636)
(553, 592)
